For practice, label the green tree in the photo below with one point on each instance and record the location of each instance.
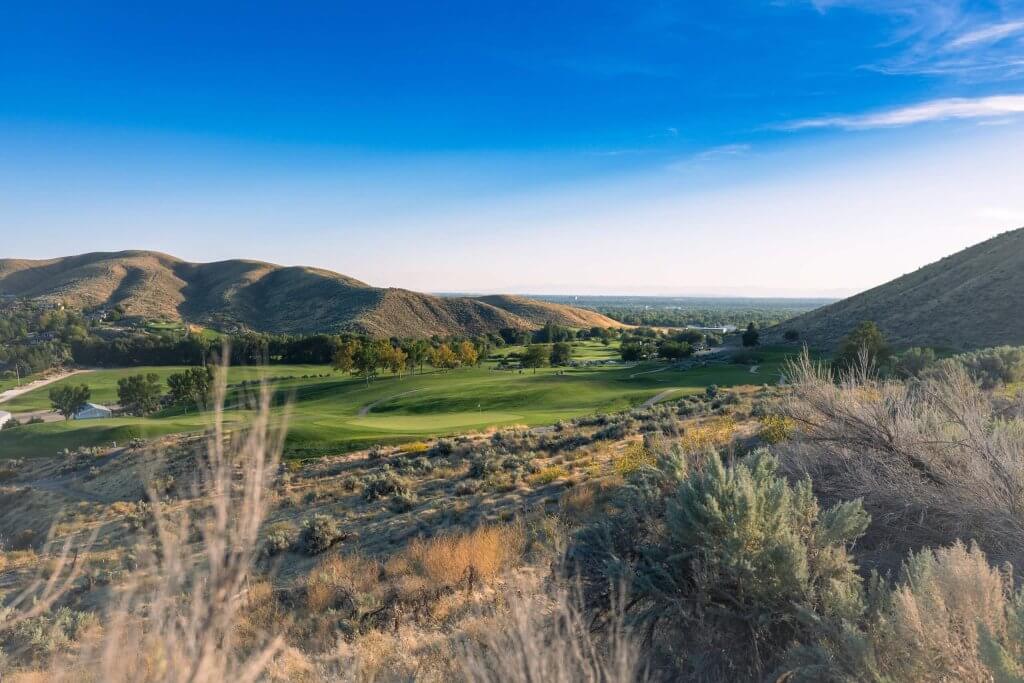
(369, 357)
(913, 362)
(865, 341)
(139, 395)
(68, 400)
(751, 337)
(791, 335)
(536, 356)
(191, 387)
(418, 351)
(344, 357)
(561, 353)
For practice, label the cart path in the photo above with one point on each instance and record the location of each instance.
(654, 399)
(32, 386)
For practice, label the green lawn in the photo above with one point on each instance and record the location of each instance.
(103, 383)
(324, 413)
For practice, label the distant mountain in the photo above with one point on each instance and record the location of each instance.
(972, 299)
(269, 298)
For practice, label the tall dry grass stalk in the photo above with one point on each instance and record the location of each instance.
(935, 460)
(176, 619)
(547, 637)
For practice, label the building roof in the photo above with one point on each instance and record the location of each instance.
(94, 406)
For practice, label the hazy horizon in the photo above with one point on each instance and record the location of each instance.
(793, 147)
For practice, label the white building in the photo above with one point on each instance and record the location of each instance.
(5, 417)
(93, 411)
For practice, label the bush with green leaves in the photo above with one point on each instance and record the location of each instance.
(319, 533)
(383, 484)
(728, 567)
(280, 538)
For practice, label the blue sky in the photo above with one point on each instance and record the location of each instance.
(783, 147)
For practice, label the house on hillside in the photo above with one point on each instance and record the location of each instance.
(93, 411)
(5, 417)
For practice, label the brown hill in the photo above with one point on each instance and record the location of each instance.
(267, 297)
(972, 299)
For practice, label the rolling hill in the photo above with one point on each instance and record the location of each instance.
(972, 299)
(269, 298)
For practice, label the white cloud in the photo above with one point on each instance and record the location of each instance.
(945, 37)
(987, 34)
(935, 110)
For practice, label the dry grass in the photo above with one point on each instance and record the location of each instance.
(339, 577)
(547, 475)
(542, 637)
(480, 555)
(714, 434)
(934, 461)
(177, 618)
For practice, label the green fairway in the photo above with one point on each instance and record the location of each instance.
(338, 413)
(103, 383)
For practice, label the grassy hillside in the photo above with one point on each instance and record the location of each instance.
(267, 297)
(968, 300)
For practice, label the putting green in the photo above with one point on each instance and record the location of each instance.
(431, 423)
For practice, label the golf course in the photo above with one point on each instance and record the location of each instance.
(330, 412)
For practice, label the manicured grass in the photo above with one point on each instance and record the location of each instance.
(324, 413)
(103, 383)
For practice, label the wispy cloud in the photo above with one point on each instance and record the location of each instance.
(946, 37)
(987, 34)
(723, 151)
(934, 110)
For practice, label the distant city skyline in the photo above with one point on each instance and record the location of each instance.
(778, 148)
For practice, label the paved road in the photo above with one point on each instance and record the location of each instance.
(32, 386)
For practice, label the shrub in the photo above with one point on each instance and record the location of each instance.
(483, 465)
(319, 533)
(441, 447)
(415, 447)
(402, 502)
(548, 475)
(735, 566)
(776, 428)
(383, 484)
(632, 459)
(280, 538)
(939, 449)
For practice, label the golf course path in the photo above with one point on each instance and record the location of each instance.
(32, 386)
(650, 372)
(654, 399)
(365, 410)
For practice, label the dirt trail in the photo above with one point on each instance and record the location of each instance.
(32, 386)
(365, 410)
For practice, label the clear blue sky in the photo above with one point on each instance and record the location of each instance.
(788, 146)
